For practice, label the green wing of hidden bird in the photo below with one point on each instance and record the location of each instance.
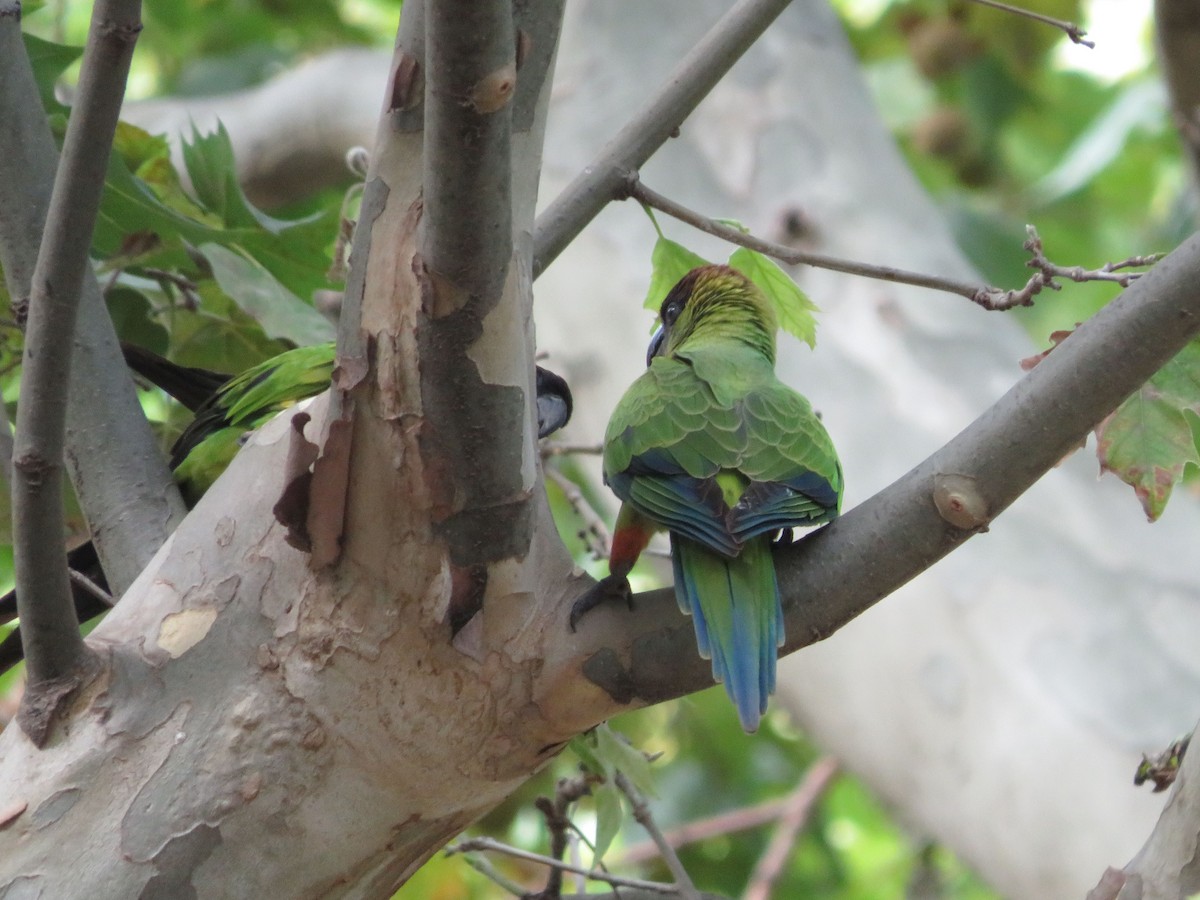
(711, 446)
(243, 403)
(227, 409)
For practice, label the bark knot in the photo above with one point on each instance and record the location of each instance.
(959, 502)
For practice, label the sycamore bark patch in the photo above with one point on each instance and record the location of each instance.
(182, 631)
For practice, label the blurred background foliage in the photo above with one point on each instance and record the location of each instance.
(1005, 120)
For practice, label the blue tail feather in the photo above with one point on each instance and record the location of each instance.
(736, 611)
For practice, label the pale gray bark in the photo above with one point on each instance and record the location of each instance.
(970, 700)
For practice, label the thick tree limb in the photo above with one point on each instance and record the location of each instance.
(689, 83)
(840, 571)
(119, 473)
(54, 649)
(470, 86)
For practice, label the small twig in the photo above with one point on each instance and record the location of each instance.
(990, 298)
(481, 865)
(729, 822)
(556, 812)
(795, 814)
(564, 449)
(187, 287)
(641, 813)
(81, 580)
(1073, 31)
(488, 844)
(1047, 271)
(689, 83)
(594, 534)
(636, 190)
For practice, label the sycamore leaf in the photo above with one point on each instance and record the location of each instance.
(280, 312)
(792, 305)
(609, 815)
(1148, 440)
(616, 752)
(147, 220)
(669, 262)
(48, 61)
(584, 746)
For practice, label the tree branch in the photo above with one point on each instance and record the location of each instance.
(990, 298)
(1073, 31)
(795, 814)
(837, 573)
(54, 649)
(689, 83)
(120, 476)
(470, 845)
(790, 255)
(1178, 36)
(641, 812)
(470, 85)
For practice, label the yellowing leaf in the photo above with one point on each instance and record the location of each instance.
(1148, 441)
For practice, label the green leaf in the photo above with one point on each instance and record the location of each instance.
(669, 262)
(584, 746)
(615, 751)
(132, 317)
(210, 165)
(48, 62)
(792, 305)
(280, 312)
(609, 816)
(1148, 441)
(147, 220)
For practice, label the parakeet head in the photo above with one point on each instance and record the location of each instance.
(714, 303)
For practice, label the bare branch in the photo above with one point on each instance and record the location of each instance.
(1047, 271)
(594, 534)
(481, 865)
(561, 448)
(485, 843)
(990, 298)
(90, 587)
(838, 572)
(54, 650)
(1073, 31)
(641, 812)
(120, 476)
(795, 814)
(790, 255)
(688, 84)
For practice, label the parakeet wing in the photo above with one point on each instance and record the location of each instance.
(672, 435)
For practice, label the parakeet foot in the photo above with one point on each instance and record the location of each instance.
(609, 588)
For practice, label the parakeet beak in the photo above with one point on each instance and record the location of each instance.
(656, 343)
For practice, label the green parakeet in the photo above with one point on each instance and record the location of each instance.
(710, 445)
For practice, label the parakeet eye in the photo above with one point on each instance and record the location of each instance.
(671, 312)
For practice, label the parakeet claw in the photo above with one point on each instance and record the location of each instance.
(785, 537)
(609, 588)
